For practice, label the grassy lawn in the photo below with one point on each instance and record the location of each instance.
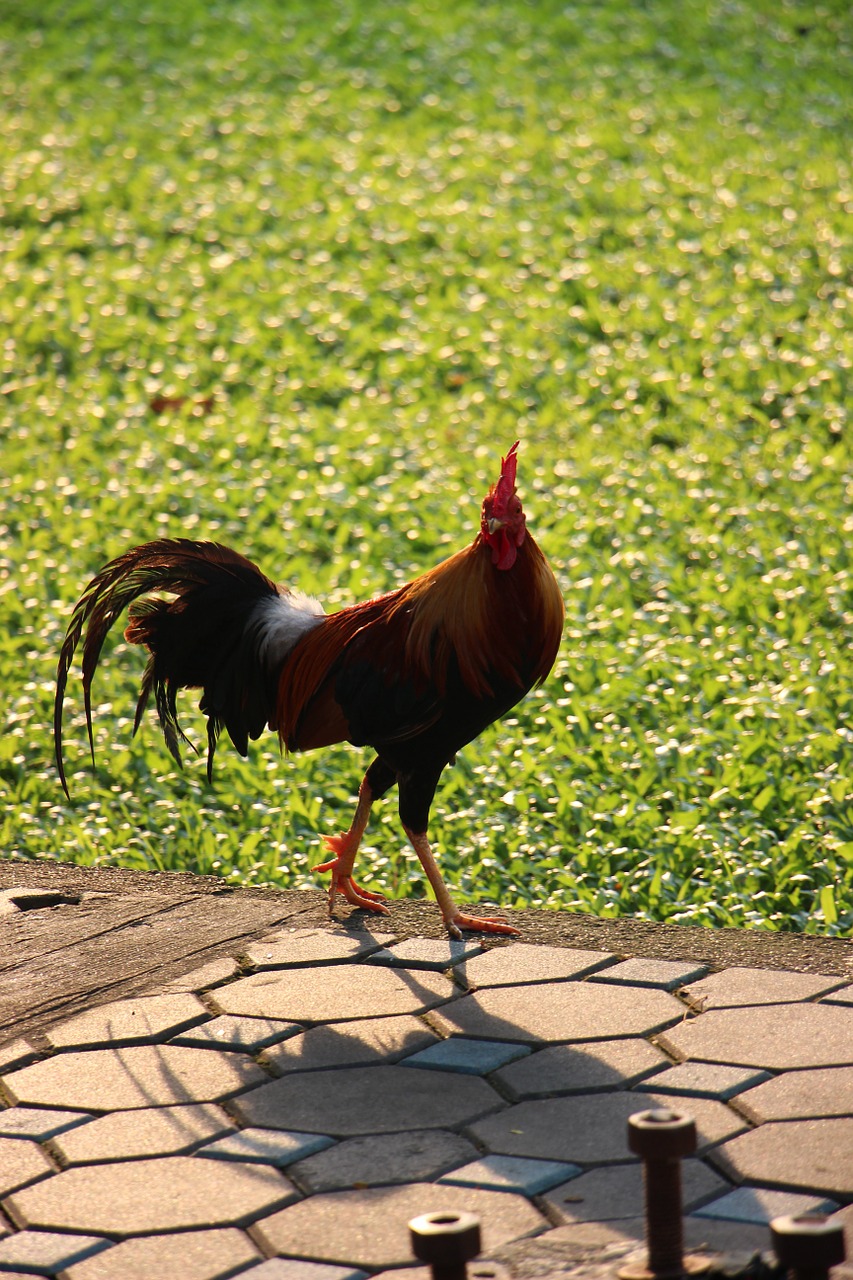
(385, 240)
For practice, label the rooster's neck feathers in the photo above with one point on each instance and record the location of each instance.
(493, 624)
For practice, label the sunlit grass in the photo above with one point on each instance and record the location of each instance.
(386, 244)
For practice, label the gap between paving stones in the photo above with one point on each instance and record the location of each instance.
(513, 1009)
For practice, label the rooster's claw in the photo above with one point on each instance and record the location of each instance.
(482, 924)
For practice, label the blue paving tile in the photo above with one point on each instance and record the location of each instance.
(266, 1146)
(759, 1205)
(469, 1057)
(512, 1173)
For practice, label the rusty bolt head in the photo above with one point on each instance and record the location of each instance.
(661, 1134)
(445, 1239)
(811, 1241)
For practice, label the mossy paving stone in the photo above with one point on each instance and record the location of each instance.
(364, 1100)
(138, 1197)
(136, 1076)
(333, 993)
(369, 1227)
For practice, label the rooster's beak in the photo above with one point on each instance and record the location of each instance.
(494, 525)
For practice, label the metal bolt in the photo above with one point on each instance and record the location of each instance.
(446, 1241)
(808, 1246)
(661, 1138)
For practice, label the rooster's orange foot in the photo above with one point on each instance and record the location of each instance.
(353, 892)
(483, 924)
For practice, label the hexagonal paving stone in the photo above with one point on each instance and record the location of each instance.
(590, 1128)
(667, 975)
(142, 1020)
(136, 1197)
(776, 1037)
(335, 993)
(39, 1123)
(201, 979)
(843, 996)
(801, 1095)
(368, 1228)
(16, 1053)
(523, 962)
(138, 1076)
(46, 1252)
(804, 1155)
(383, 1160)
(351, 1044)
(703, 1080)
(292, 948)
(246, 1035)
(367, 1100)
(559, 1011)
(584, 1068)
(616, 1191)
(21, 1161)
(149, 1131)
(738, 987)
(428, 953)
(266, 1146)
(299, 1269)
(203, 1254)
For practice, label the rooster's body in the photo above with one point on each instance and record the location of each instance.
(414, 674)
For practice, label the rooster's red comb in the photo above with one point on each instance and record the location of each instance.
(505, 487)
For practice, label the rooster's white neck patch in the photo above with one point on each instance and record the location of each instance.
(282, 620)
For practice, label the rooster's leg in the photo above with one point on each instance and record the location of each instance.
(345, 847)
(454, 919)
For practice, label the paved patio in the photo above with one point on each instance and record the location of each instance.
(281, 1110)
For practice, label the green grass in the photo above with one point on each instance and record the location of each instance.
(388, 239)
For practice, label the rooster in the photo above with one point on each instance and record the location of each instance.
(414, 674)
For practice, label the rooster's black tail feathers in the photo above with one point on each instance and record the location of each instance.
(196, 634)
